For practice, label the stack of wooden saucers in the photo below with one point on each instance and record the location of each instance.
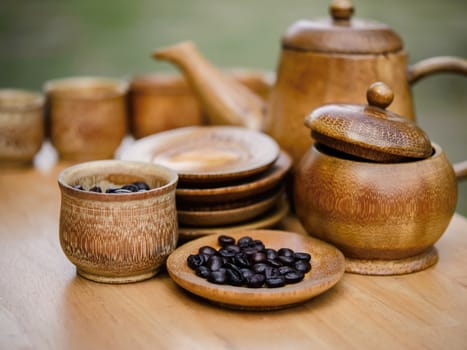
(230, 178)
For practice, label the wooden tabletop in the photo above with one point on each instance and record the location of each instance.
(45, 305)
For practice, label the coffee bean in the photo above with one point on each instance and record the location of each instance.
(285, 269)
(255, 281)
(271, 254)
(122, 190)
(142, 186)
(246, 273)
(224, 240)
(233, 248)
(229, 265)
(248, 263)
(302, 256)
(226, 253)
(244, 241)
(205, 257)
(257, 257)
(274, 263)
(302, 266)
(257, 244)
(95, 189)
(130, 187)
(275, 282)
(249, 251)
(233, 276)
(285, 252)
(214, 262)
(260, 267)
(241, 260)
(217, 277)
(207, 250)
(294, 276)
(195, 260)
(286, 260)
(272, 272)
(202, 271)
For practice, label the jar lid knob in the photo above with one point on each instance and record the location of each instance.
(379, 95)
(341, 10)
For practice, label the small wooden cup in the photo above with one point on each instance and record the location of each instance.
(117, 238)
(21, 126)
(88, 116)
(160, 102)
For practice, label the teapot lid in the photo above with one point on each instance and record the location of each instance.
(341, 34)
(369, 131)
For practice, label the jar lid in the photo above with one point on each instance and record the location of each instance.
(341, 34)
(369, 131)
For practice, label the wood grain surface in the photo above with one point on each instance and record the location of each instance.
(45, 305)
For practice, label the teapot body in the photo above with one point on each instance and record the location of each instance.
(370, 210)
(307, 80)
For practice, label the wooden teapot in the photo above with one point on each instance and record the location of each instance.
(375, 186)
(330, 60)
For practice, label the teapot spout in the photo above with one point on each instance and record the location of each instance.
(225, 100)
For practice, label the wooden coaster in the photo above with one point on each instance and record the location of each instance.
(392, 267)
(327, 268)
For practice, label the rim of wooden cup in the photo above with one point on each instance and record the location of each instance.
(123, 167)
(12, 99)
(86, 87)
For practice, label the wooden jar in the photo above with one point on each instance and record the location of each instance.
(370, 187)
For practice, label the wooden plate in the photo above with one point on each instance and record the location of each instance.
(250, 187)
(207, 153)
(267, 220)
(327, 262)
(207, 218)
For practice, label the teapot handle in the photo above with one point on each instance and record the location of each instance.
(439, 64)
(460, 169)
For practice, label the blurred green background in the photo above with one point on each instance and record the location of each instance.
(46, 39)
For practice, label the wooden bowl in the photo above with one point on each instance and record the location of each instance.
(21, 126)
(376, 212)
(117, 238)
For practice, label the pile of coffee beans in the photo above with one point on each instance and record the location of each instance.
(138, 186)
(249, 263)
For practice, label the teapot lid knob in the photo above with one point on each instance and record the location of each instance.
(379, 95)
(341, 10)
